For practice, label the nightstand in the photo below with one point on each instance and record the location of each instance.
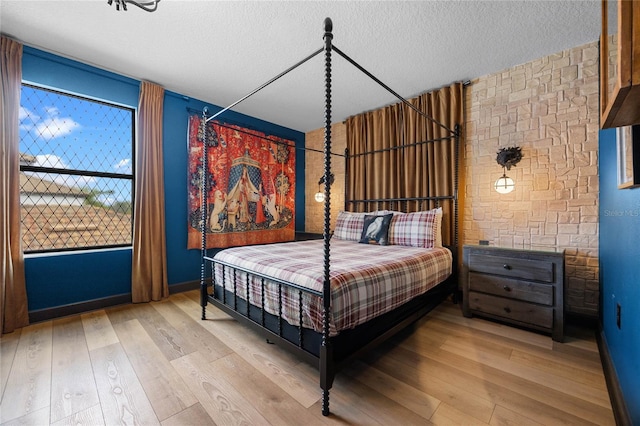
(520, 287)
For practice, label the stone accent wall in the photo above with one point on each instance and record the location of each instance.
(314, 163)
(550, 108)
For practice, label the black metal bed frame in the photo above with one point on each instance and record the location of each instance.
(329, 353)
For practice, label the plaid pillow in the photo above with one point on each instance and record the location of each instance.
(349, 226)
(419, 229)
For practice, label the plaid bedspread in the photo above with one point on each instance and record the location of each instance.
(366, 280)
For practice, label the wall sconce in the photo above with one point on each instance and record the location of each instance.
(320, 194)
(507, 157)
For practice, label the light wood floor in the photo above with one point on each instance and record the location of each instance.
(159, 364)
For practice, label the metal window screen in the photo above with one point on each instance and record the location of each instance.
(76, 172)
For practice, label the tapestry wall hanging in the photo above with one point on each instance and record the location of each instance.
(250, 185)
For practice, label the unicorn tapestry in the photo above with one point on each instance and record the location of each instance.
(250, 186)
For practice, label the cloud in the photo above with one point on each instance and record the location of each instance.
(24, 113)
(49, 127)
(55, 127)
(124, 166)
(28, 118)
(50, 160)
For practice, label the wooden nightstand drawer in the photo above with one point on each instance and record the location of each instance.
(514, 289)
(540, 316)
(514, 267)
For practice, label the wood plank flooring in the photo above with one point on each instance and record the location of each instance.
(158, 363)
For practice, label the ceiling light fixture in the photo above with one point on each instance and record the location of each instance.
(146, 5)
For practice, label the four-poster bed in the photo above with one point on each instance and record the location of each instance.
(330, 300)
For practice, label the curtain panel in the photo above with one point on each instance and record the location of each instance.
(418, 171)
(14, 311)
(149, 266)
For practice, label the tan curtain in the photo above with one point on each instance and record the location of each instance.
(149, 269)
(14, 311)
(420, 171)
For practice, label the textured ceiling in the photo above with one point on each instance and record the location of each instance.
(218, 51)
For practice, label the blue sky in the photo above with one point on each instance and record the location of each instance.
(66, 132)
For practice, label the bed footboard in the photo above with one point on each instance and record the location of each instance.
(230, 297)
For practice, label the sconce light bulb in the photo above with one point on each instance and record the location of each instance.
(319, 196)
(504, 185)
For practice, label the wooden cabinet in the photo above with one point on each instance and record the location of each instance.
(620, 104)
(521, 287)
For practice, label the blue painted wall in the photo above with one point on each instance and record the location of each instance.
(620, 273)
(55, 280)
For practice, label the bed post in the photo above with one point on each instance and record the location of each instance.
(456, 243)
(456, 182)
(326, 353)
(203, 215)
(347, 177)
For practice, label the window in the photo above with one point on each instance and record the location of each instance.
(76, 172)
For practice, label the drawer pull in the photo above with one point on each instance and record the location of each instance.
(507, 309)
(506, 288)
(507, 267)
